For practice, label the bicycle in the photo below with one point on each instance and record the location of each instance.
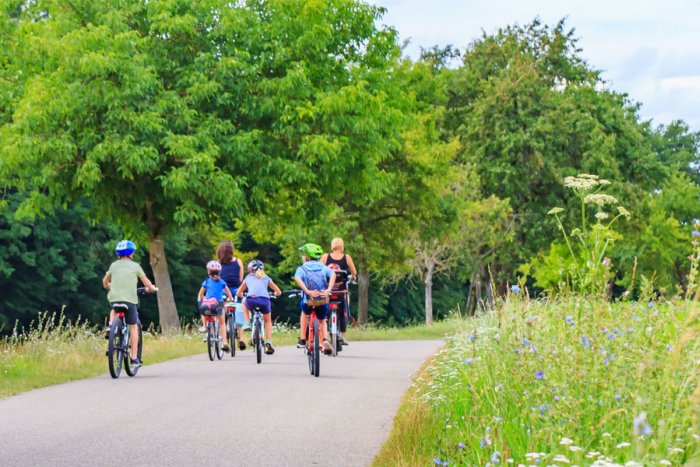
(213, 339)
(312, 347)
(230, 309)
(118, 345)
(337, 298)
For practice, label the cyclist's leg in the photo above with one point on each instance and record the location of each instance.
(342, 321)
(321, 315)
(267, 320)
(131, 316)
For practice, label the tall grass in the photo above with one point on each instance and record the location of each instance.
(563, 382)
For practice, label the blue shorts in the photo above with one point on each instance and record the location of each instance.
(131, 315)
(321, 310)
(263, 302)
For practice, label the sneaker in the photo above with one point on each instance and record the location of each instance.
(225, 348)
(241, 345)
(343, 341)
(135, 362)
(107, 333)
(247, 326)
(327, 345)
(269, 350)
(202, 329)
(301, 342)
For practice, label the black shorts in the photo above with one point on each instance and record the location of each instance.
(131, 315)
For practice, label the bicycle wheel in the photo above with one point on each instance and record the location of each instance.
(309, 347)
(334, 333)
(232, 332)
(257, 340)
(317, 352)
(127, 364)
(211, 341)
(219, 341)
(115, 348)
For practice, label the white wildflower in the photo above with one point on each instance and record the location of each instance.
(633, 464)
(600, 199)
(606, 435)
(561, 458)
(623, 444)
(566, 441)
(675, 450)
(600, 215)
(575, 448)
(603, 181)
(665, 462)
(624, 212)
(580, 183)
(555, 211)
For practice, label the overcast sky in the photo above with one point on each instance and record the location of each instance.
(647, 49)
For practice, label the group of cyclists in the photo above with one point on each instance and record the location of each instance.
(226, 277)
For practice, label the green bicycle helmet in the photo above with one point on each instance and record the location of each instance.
(312, 250)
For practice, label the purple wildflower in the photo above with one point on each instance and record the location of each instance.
(570, 320)
(641, 426)
(585, 342)
(496, 457)
(515, 288)
(539, 375)
(469, 361)
(696, 233)
(460, 445)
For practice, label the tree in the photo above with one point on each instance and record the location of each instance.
(170, 113)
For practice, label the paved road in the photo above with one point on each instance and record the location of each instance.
(232, 412)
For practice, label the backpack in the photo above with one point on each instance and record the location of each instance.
(315, 280)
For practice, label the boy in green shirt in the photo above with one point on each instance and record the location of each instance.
(121, 280)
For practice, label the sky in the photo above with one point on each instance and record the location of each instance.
(649, 50)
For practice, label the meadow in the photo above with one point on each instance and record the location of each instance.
(561, 382)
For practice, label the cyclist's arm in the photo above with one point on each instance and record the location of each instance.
(242, 288)
(331, 283)
(149, 285)
(302, 286)
(201, 294)
(240, 270)
(228, 293)
(351, 266)
(324, 258)
(276, 289)
(106, 281)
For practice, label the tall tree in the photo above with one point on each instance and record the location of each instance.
(169, 113)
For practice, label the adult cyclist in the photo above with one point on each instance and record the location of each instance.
(121, 280)
(316, 280)
(344, 262)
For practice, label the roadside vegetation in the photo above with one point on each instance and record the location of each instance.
(570, 381)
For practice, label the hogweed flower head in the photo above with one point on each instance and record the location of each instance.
(554, 211)
(600, 199)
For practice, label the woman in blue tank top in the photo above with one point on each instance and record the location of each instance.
(232, 274)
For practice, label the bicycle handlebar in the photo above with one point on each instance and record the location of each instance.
(144, 290)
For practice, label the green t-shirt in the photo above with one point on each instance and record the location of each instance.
(124, 275)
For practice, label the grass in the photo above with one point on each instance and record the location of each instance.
(55, 351)
(557, 383)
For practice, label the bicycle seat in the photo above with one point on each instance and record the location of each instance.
(120, 307)
(259, 308)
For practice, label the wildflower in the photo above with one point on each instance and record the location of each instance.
(496, 457)
(566, 441)
(696, 233)
(600, 199)
(618, 397)
(569, 320)
(675, 450)
(539, 375)
(469, 361)
(460, 445)
(606, 435)
(624, 212)
(651, 303)
(669, 347)
(623, 444)
(627, 292)
(555, 211)
(580, 183)
(665, 462)
(608, 358)
(585, 342)
(472, 337)
(575, 448)
(600, 215)
(515, 288)
(437, 461)
(611, 336)
(561, 458)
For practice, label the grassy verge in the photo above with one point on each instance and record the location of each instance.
(559, 383)
(54, 351)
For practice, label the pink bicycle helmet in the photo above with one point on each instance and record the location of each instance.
(213, 266)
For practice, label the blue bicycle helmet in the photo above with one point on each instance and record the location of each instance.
(125, 248)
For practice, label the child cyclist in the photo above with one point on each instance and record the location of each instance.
(212, 290)
(316, 280)
(121, 280)
(257, 283)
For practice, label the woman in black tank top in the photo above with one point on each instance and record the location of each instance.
(345, 263)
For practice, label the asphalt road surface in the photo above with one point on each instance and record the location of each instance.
(232, 412)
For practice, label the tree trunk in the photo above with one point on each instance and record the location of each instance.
(470, 295)
(489, 290)
(167, 311)
(363, 299)
(479, 302)
(429, 294)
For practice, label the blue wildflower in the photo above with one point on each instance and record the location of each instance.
(515, 288)
(437, 461)
(611, 336)
(618, 397)
(469, 361)
(695, 233)
(651, 303)
(586, 343)
(460, 445)
(472, 337)
(539, 375)
(669, 347)
(641, 426)
(496, 457)
(570, 320)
